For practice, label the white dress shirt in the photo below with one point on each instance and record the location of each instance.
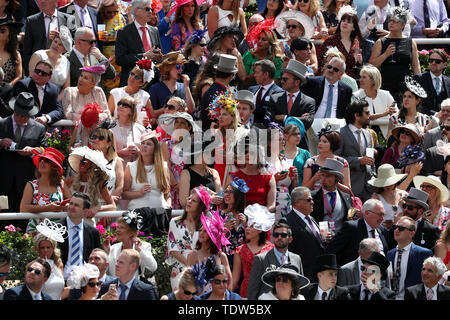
(51, 23)
(80, 56)
(320, 292)
(128, 285)
(434, 291)
(34, 295)
(321, 111)
(279, 256)
(403, 270)
(138, 26)
(433, 77)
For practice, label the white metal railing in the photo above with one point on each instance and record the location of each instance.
(417, 40)
(63, 214)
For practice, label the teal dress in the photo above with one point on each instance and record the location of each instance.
(249, 59)
(299, 162)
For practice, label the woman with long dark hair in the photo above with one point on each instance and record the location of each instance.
(186, 21)
(10, 59)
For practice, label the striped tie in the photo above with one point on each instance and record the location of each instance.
(75, 258)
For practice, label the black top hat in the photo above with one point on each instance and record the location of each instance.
(379, 260)
(326, 262)
(24, 104)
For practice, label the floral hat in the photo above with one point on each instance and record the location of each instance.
(51, 154)
(259, 217)
(146, 66)
(346, 10)
(240, 185)
(411, 154)
(95, 156)
(265, 25)
(223, 100)
(415, 87)
(52, 230)
(203, 195)
(133, 219)
(197, 36)
(215, 227)
(203, 272)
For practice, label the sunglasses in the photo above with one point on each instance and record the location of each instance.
(4, 274)
(400, 228)
(329, 67)
(180, 67)
(427, 187)
(410, 207)
(437, 61)
(96, 137)
(308, 199)
(146, 9)
(447, 128)
(280, 234)
(41, 72)
(93, 284)
(282, 279)
(284, 79)
(366, 269)
(91, 42)
(188, 293)
(217, 281)
(124, 104)
(170, 107)
(405, 132)
(293, 26)
(138, 78)
(202, 44)
(36, 271)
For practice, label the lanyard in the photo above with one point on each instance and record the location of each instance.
(330, 212)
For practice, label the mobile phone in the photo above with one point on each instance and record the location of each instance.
(113, 286)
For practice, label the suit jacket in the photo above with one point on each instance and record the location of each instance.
(91, 240)
(415, 260)
(337, 293)
(16, 170)
(349, 274)
(431, 136)
(36, 37)
(75, 66)
(382, 294)
(70, 10)
(27, 8)
(345, 243)
(305, 244)
(130, 49)
(359, 174)
(417, 292)
(22, 293)
(432, 103)
(138, 291)
(426, 235)
(261, 262)
(262, 108)
(315, 87)
(433, 161)
(51, 105)
(319, 208)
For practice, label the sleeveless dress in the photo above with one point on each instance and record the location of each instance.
(42, 199)
(223, 20)
(55, 284)
(10, 70)
(141, 98)
(61, 72)
(197, 180)
(389, 209)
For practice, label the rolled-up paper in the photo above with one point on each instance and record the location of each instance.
(4, 203)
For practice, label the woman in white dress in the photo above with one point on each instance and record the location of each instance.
(225, 13)
(61, 44)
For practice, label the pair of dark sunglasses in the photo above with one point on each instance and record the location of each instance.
(280, 234)
(96, 137)
(91, 42)
(437, 61)
(400, 228)
(4, 274)
(446, 128)
(180, 67)
(329, 67)
(41, 72)
(364, 268)
(405, 132)
(188, 293)
(36, 271)
(146, 9)
(284, 79)
(134, 75)
(293, 26)
(170, 107)
(93, 284)
(217, 281)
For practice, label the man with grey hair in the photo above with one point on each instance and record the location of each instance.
(137, 40)
(434, 161)
(350, 273)
(307, 242)
(430, 289)
(345, 243)
(85, 53)
(331, 94)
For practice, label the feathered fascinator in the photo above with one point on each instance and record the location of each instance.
(259, 217)
(146, 66)
(415, 87)
(215, 227)
(411, 154)
(133, 219)
(90, 114)
(400, 14)
(240, 185)
(324, 131)
(52, 230)
(98, 68)
(332, 50)
(197, 36)
(107, 124)
(265, 25)
(223, 100)
(203, 195)
(203, 272)
(349, 10)
(443, 148)
(80, 275)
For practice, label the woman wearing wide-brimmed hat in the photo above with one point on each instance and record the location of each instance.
(387, 192)
(404, 135)
(285, 282)
(438, 214)
(411, 163)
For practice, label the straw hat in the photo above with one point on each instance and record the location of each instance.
(386, 176)
(412, 128)
(282, 20)
(433, 180)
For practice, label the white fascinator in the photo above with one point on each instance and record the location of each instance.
(259, 217)
(80, 275)
(346, 10)
(52, 230)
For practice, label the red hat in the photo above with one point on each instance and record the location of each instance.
(90, 114)
(51, 154)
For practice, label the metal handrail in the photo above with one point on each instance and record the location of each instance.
(63, 214)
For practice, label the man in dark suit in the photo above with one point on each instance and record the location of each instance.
(85, 53)
(37, 273)
(434, 82)
(27, 8)
(431, 136)
(430, 289)
(345, 243)
(306, 242)
(39, 29)
(19, 132)
(434, 162)
(355, 141)
(326, 288)
(374, 271)
(330, 203)
(45, 93)
(264, 72)
(134, 43)
(407, 258)
(279, 255)
(85, 16)
(72, 254)
(332, 96)
(128, 287)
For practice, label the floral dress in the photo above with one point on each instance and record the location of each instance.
(176, 166)
(41, 199)
(441, 218)
(179, 239)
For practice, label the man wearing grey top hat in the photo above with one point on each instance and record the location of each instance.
(415, 206)
(19, 132)
(245, 107)
(330, 203)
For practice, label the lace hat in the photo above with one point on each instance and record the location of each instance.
(413, 86)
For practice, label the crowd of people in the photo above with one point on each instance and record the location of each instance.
(300, 152)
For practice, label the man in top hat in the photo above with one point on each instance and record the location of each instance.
(293, 102)
(330, 203)
(246, 107)
(19, 132)
(326, 288)
(414, 206)
(406, 258)
(225, 71)
(331, 94)
(374, 270)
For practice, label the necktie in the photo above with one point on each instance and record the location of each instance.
(313, 229)
(426, 15)
(430, 294)
(36, 296)
(145, 40)
(86, 61)
(329, 101)
(259, 96)
(332, 195)
(372, 233)
(82, 12)
(397, 274)
(18, 135)
(48, 30)
(366, 294)
(290, 102)
(437, 85)
(75, 257)
(123, 291)
(283, 259)
(358, 134)
(324, 295)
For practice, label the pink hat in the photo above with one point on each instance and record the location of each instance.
(203, 195)
(179, 3)
(148, 134)
(214, 226)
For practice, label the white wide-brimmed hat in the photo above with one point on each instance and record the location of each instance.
(283, 18)
(272, 272)
(386, 176)
(433, 180)
(95, 156)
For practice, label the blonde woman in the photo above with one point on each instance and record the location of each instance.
(146, 181)
(312, 9)
(224, 14)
